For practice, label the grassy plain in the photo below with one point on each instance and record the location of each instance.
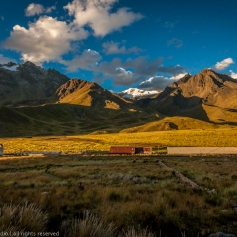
(102, 142)
(128, 191)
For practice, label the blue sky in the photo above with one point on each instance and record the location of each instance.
(121, 43)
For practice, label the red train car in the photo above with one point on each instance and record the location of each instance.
(122, 150)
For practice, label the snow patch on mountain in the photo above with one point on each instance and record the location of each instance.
(10, 66)
(134, 93)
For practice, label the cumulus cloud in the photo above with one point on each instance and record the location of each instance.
(49, 39)
(233, 74)
(119, 75)
(37, 9)
(124, 73)
(115, 48)
(142, 66)
(136, 70)
(125, 77)
(178, 76)
(219, 66)
(156, 83)
(4, 60)
(34, 9)
(178, 43)
(88, 60)
(46, 39)
(99, 16)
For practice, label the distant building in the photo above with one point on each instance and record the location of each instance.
(143, 150)
(202, 150)
(130, 150)
(1, 149)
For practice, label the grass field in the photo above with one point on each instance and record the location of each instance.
(126, 191)
(130, 192)
(102, 142)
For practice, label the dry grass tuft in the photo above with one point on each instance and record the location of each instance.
(27, 217)
(132, 232)
(90, 225)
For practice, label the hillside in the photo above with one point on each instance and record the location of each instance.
(171, 123)
(65, 119)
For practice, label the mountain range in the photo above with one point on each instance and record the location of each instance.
(208, 96)
(35, 101)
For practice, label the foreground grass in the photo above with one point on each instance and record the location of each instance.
(102, 142)
(128, 191)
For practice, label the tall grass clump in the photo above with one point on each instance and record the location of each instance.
(132, 232)
(91, 225)
(22, 217)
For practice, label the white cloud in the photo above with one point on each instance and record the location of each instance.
(143, 67)
(4, 60)
(46, 39)
(88, 60)
(37, 9)
(97, 14)
(156, 83)
(233, 74)
(2, 17)
(49, 39)
(34, 9)
(124, 77)
(178, 76)
(136, 70)
(115, 48)
(219, 66)
(50, 9)
(178, 43)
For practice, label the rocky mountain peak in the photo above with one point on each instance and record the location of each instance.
(28, 84)
(207, 70)
(69, 87)
(75, 84)
(29, 64)
(192, 93)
